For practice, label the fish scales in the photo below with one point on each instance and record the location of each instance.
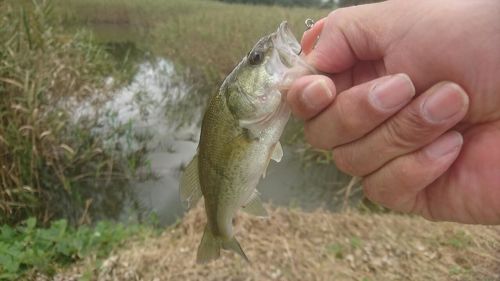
(239, 136)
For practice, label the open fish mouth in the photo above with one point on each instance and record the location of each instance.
(286, 44)
(288, 63)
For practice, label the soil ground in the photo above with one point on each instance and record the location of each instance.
(295, 245)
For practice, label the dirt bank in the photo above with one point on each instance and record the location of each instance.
(293, 245)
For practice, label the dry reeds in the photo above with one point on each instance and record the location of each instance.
(48, 166)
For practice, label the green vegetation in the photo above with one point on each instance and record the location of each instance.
(336, 249)
(26, 250)
(459, 240)
(207, 37)
(50, 167)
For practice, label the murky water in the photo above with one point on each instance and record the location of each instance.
(143, 108)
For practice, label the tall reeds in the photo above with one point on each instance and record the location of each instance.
(49, 166)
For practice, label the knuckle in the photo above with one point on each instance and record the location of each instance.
(407, 131)
(347, 124)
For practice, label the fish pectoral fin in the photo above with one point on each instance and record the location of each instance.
(277, 153)
(233, 245)
(190, 189)
(209, 248)
(254, 206)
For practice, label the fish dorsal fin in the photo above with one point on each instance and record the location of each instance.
(277, 152)
(190, 189)
(254, 206)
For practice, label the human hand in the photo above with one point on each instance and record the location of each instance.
(421, 145)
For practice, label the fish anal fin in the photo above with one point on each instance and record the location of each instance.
(190, 189)
(254, 206)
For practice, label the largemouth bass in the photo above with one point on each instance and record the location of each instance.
(239, 136)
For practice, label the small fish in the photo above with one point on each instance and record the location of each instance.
(239, 136)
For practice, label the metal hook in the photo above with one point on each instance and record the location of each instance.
(309, 24)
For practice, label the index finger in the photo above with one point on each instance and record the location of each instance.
(310, 36)
(346, 36)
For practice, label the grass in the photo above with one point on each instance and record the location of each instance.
(294, 245)
(205, 39)
(27, 250)
(47, 160)
(50, 167)
(208, 37)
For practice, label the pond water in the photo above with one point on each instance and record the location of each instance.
(144, 106)
(159, 111)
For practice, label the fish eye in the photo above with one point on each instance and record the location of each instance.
(255, 57)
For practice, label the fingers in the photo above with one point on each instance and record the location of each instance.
(398, 184)
(348, 35)
(418, 124)
(309, 95)
(357, 111)
(310, 36)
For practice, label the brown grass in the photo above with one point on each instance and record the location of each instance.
(209, 37)
(293, 245)
(49, 166)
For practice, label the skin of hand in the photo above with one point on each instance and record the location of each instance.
(409, 99)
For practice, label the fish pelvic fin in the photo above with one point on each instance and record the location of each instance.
(233, 245)
(209, 248)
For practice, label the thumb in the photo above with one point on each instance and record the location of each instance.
(348, 35)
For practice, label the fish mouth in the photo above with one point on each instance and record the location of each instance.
(287, 50)
(286, 44)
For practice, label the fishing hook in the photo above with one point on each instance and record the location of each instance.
(309, 24)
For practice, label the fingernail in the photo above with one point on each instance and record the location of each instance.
(392, 93)
(316, 95)
(445, 145)
(444, 103)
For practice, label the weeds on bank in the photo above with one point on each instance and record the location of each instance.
(27, 249)
(49, 167)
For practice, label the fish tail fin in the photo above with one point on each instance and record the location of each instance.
(210, 245)
(209, 248)
(233, 245)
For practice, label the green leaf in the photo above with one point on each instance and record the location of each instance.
(9, 276)
(30, 223)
